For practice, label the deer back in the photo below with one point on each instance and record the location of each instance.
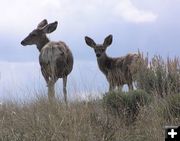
(121, 70)
(56, 58)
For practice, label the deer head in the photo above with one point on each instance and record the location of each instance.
(38, 35)
(99, 49)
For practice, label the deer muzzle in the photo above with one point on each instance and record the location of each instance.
(98, 55)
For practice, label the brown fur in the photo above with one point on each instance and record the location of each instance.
(56, 59)
(118, 71)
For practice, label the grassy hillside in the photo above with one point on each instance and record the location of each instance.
(139, 115)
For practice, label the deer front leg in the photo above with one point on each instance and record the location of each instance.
(111, 87)
(43, 71)
(64, 89)
(110, 81)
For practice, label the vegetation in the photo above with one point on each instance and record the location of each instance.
(126, 105)
(138, 115)
(159, 77)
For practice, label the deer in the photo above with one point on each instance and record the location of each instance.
(118, 70)
(55, 58)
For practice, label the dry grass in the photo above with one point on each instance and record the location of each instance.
(81, 121)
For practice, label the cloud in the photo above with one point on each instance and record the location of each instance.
(128, 12)
(21, 15)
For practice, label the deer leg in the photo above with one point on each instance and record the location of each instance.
(45, 75)
(130, 81)
(64, 88)
(111, 87)
(51, 91)
(120, 87)
(130, 86)
(51, 88)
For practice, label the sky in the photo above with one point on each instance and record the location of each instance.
(152, 26)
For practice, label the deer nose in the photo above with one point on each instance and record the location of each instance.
(98, 55)
(23, 43)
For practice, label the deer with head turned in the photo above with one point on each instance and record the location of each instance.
(56, 59)
(118, 71)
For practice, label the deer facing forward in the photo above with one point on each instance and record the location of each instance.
(118, 71)
(56, 59)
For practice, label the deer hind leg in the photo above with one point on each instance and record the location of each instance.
(51, 92)
(64, 88)
(130, 81)
(130, 86)
(51, 89)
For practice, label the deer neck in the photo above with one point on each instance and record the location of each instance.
(104, 62)
(42, 42)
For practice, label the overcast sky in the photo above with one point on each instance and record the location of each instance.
(151, 26)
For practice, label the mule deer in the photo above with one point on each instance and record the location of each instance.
(56, 59)
(118, 71)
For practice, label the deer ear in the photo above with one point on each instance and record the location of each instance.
(108, 40)
(50, 27)
(42, 23)
(90, 42)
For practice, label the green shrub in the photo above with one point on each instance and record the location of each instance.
(126, 105)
